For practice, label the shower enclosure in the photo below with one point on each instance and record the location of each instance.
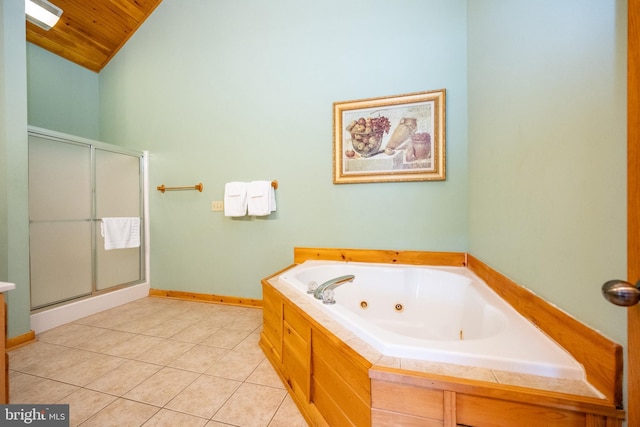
(73, 184)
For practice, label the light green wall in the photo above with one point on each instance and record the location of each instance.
(547, 149)
(226, 90)
(14, 225)
(62, 96)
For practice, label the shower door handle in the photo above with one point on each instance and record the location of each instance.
(622, 293)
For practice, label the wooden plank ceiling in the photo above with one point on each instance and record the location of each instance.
(90, 32)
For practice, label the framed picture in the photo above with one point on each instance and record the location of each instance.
(390, 139)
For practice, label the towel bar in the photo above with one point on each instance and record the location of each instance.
(199, 187)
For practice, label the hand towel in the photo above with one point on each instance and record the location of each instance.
(261, 198)
(120, 233)
(235, 199)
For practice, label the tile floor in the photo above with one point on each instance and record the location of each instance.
(156, 362)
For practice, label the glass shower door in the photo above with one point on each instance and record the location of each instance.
(60, 212)
(73, 184)
(118, 194)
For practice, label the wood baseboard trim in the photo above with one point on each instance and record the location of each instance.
(210, 298)
(20, 340)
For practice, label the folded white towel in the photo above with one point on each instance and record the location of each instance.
(235, 199)
(261, 198)
(120, 233)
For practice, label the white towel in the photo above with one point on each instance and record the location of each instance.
(235, 199)
(120, 233)
(261, 198)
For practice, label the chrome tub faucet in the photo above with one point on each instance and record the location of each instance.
(322, 292)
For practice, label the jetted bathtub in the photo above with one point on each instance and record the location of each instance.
(439, 314)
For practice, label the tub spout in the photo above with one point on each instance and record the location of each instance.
(332, 284)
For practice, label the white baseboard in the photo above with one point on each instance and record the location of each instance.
(58, 316)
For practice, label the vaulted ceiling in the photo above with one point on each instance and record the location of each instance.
(90, 32)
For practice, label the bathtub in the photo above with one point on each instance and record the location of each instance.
(437, 314)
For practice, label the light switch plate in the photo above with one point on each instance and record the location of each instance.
(217, 206)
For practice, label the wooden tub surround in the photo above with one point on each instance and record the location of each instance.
(336, 379)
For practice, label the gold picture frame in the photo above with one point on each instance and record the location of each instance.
(390, 139)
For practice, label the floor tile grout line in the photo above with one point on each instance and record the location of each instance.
(125, 358)
(284, 398)
(238, 347)
(164, 406)
(136, 335)
(200, 374)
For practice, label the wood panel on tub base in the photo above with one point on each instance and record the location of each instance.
(432, 400)
(328, 381)
(332, 384)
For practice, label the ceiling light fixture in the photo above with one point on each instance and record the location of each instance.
(42, 13)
